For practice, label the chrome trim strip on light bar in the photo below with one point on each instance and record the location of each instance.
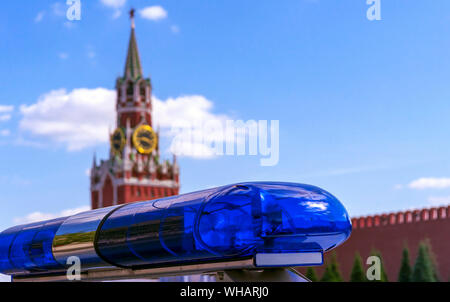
(151, 273)
(289, 259)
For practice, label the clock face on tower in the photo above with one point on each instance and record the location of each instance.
(118, 141)
(145, 139)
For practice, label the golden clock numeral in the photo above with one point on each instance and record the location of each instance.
(147, 140)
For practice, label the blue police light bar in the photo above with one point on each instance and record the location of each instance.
(275, 224)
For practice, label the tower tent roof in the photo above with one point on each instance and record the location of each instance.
(133, 67)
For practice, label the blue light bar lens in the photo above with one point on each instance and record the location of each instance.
(152, 232)
(232, 222)
(30, 247)
(225, 223)
(6, 239)
(273, 218)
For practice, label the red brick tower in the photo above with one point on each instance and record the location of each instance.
(133, 171)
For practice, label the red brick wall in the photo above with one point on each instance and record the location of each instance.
(389, 234)
(129, 193)
(108, 197)
(94, 199)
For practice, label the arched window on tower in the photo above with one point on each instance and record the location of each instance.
(130, 89)
(143, 90)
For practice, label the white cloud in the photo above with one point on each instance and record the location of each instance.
(14, 180)
(117, 5)
(439, 200)
(63, 55)
(430, 183)
(39, 216)
(91, 54)
(176, 115)
(77, 119)
(114, 3)
(58, 9)
(6, 108)
(39, 17)
(175, 29)
(69, 24)
(184, 110)
(5, 117)
(83, 117)
(154, 13)
(5, 132)
(20, 141)
(117, 14)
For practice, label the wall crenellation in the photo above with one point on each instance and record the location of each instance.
(410, 216)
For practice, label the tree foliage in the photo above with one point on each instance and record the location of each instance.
(405, 273)
(311, 274)
(433, 261)
(332, 273)
(358, 274)
(424, 269)
(383, 275)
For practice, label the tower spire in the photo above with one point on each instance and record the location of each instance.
(133, 69)
(132, 12)
(94, 161)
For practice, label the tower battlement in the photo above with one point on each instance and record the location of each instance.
(390, 233)
(403, 217)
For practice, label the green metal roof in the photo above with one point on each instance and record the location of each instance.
(133, 68)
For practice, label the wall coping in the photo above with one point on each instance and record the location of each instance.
(402, 217)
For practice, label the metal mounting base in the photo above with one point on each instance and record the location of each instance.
(231, 271)
(266, 275)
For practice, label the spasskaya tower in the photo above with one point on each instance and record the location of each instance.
(133, 171)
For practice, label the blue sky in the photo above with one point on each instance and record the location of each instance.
(363, 105)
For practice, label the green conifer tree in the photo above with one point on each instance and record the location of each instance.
(332, 273)
(358, 274)
(383, 275)
(405, 273)
(433, 261)
(327, 275)
(311, 274)
(423, 268)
